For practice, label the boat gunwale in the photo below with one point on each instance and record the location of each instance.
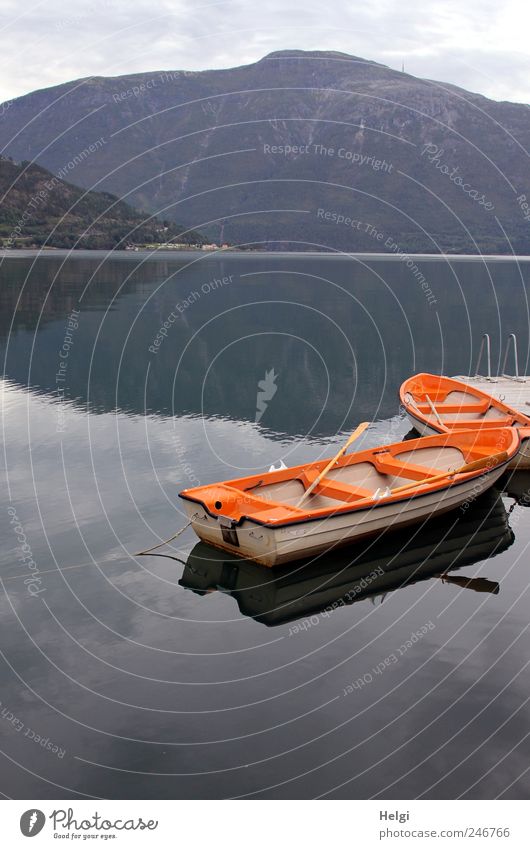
(366, 504)
(471, 424)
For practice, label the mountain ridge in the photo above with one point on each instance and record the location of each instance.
(252, 153)
(333, 55)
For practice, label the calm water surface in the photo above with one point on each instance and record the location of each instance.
(126, 379)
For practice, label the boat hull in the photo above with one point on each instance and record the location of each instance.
(346, 576)
(521, 460)
(288, 514)
(275, 546)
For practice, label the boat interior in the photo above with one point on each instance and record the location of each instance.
(356, 480)
(442, 401)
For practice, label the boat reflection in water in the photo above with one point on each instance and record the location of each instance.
(367, 570)
(516, 485)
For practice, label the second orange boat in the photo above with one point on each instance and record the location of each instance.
(437, 404)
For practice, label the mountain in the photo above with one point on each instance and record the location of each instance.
(298, 150)
(37, 208)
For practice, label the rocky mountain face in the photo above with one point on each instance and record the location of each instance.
(299, 150)
(37, 209)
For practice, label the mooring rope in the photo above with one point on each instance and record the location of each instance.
(165, 542)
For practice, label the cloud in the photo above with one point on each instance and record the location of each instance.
(477, 45)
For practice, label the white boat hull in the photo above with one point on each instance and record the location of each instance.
(273, 546)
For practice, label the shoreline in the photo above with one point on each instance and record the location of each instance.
(23, 253)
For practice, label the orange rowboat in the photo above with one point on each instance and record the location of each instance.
(258, 518)
(437, 404)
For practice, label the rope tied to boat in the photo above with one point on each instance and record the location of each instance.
(165, 542)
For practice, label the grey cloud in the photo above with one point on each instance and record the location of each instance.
(471, 44)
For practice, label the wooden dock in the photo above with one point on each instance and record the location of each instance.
(514, 391)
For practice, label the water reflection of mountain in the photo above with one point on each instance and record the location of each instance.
(35, 294)
(341, 334)
(367, 570)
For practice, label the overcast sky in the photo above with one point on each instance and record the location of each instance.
(481, 45)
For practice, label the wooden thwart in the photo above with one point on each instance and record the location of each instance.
(483, 463)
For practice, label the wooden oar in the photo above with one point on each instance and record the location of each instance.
(435, 411)
(356, 433)
(479, 585)
(491, 462)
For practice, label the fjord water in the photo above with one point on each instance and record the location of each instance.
(127, 378)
